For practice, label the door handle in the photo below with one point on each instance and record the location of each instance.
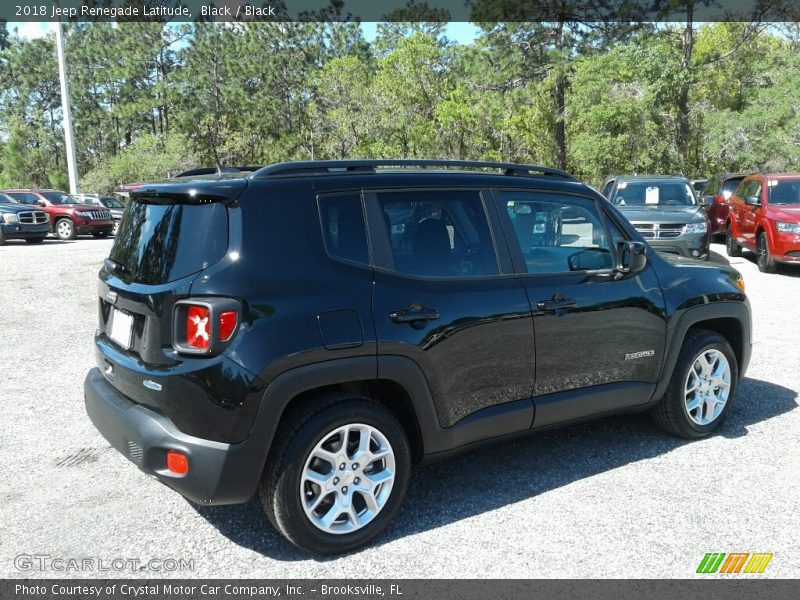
(414, 312)
(557, 302)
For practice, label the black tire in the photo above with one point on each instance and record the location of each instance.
(100, 234)
(36, 240)
(731, 247)
(301, 431)
(65, 229)
(763, 256)
(670, 413)
(2, 238)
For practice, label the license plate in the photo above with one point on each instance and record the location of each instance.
(121, 329)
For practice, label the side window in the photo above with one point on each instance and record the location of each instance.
(343, 229)
(756, 189)
(438, 233)
(558, 234)
(23, 197)
(607, 188)
(745, 189)
(711, 187)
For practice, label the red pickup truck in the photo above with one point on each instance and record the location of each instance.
(69, 216)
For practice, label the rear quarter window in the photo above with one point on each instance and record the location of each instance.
(343, 228)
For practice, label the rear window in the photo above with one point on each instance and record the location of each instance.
(158, 243)
(653, 193)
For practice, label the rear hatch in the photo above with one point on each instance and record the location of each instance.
(169, 233)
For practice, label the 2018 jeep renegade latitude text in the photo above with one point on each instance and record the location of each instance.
(311, 330)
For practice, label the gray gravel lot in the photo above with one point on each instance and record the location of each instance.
(613, 498)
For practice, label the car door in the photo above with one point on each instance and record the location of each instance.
(599, 336)
(748, 216)
(445, 298)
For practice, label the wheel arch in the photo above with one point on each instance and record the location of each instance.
(396, 383)
(729, 319)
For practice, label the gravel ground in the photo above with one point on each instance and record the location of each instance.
(613, 498)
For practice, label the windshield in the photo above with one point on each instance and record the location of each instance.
(60, 198)
(784, 191)
(5, 199)
(653, 193)
(111, 202)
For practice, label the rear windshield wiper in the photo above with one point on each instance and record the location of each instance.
(117, 268)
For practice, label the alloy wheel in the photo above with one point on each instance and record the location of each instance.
(347, 478)
(707, 387)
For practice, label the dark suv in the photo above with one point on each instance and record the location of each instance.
(311, 330)
(665, 210)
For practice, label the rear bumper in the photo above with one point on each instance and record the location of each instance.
(718, 218)
(18, 231)
(219, 473)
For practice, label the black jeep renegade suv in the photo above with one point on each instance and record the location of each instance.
(311, 330)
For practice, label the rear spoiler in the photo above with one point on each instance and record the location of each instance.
(226, 191)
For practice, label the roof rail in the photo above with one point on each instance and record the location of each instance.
(330, 167)
(216, 171)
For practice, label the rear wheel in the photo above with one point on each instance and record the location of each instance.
(36, 240)
(731, 247)
(764, 258)
(701, 390)
(2, 238)
(340, 475)
(100, 234)
(65, 229)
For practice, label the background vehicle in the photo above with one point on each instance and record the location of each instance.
(18, 221)
(68, 215)
(113, 205)
(716, 196)
(665, 211)
(765, 218)
(339, 321)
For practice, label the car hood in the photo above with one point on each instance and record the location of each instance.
(663, 214)
(17, 208)
(785, 212)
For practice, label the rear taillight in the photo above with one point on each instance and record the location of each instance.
(227, 324)
(719, 199)
(205, 325)
(198, 328)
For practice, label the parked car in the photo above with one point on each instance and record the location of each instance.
(716, 196)
(19, 222)
(68, 215)
(765, 218)
(113, 205)
(665, 211)
(338, 322)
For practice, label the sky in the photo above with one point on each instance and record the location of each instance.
(463, 33)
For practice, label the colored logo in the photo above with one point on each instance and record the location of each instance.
(734, 562)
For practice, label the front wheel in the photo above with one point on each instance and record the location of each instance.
(65, 229)
(340, 475)
(701, 390)
(731, 247)
(764, 258)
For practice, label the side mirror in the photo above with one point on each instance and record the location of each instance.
(752, 200)
(631, 257)
(41, 203)
(706, 201)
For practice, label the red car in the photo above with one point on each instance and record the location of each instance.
(765, 218)
(69, 216)
(716, 195)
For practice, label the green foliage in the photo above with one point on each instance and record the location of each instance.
(149, 100)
